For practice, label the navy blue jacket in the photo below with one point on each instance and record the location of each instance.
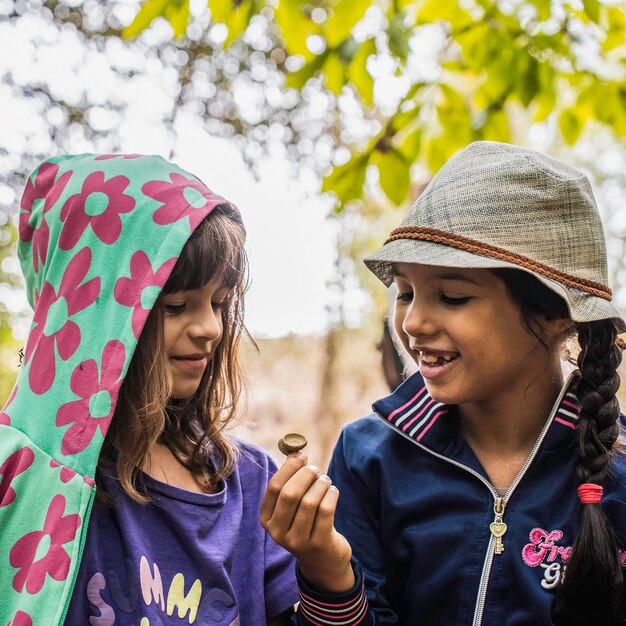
(417, 507)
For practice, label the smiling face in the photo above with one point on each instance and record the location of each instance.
(468, 336)
(192, 331)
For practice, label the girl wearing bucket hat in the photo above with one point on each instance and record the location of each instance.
(490, 487)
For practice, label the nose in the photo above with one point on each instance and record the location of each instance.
(418, 320)
(206, 324)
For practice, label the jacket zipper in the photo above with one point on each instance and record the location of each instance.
(499, 502)
(81, 547)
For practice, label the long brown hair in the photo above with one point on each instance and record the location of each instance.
(192, 428)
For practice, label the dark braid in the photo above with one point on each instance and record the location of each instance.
(592, 593)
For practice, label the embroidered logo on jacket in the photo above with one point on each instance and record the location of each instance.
(544, 551)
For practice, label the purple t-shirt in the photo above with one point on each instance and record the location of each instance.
(185, 558)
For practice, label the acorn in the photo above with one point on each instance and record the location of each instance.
(291, 442)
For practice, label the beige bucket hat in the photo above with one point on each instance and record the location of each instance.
(500, 205)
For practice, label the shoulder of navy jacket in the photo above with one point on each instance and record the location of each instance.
(402, 394)
(561, 435)
(365, 438)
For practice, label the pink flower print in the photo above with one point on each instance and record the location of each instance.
(52, 323)
(21, 619)
(33, 224)
(40, 552)
(135, 291)
(182, 198)
(4, 418)
(96, 405)
(98, 204)
(105, 157)
(67, 473)
(15, 464)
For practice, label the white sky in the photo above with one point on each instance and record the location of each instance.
(290, 243)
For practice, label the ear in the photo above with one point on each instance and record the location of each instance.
(556, 329)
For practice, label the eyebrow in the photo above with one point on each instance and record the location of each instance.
(456, 276)
(442, 276)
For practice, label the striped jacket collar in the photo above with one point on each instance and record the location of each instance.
(411, 410)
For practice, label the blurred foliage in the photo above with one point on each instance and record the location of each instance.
(9, 282)
(492, 60)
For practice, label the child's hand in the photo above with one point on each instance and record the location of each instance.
(298, 512)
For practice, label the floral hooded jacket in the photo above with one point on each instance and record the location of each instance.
(98, 238)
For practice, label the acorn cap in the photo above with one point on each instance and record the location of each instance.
(291, 442)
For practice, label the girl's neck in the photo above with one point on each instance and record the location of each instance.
(162, 465)
(510, 425)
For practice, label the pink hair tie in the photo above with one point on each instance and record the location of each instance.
(590, 493)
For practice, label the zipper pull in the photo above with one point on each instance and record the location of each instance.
(498, 527)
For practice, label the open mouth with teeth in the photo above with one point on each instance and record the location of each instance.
(433, 360)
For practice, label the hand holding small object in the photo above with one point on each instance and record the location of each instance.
(298, 512)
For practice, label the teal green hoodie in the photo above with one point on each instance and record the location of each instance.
(98, 238)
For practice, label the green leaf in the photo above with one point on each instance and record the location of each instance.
(615, 19)
(592, 9)
(398, 37)
(586, 101)
(237, 20)
(410, 144)
(431, 11)
(297, 80)
(334, 72)
(609, 108)
(496, 127)
(570, 126)
(358, 74)
(544, 10)
(546, 96)
(220, 10)
(295, 27)
(406, 116)
(149, 11)
(438, 151)
(526, 81)
(499, 75)
(395, 179)
(407, 141)
(454, 116)
(475, 45)
(345, 14)
(346, 181)
(177, 14)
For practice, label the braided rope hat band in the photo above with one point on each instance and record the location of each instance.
(499, 205)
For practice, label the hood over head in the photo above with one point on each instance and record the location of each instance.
(98, 238)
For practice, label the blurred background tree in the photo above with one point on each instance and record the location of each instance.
(371, 95)
(458, 70)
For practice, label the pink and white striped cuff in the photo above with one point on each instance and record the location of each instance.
(349, 611)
